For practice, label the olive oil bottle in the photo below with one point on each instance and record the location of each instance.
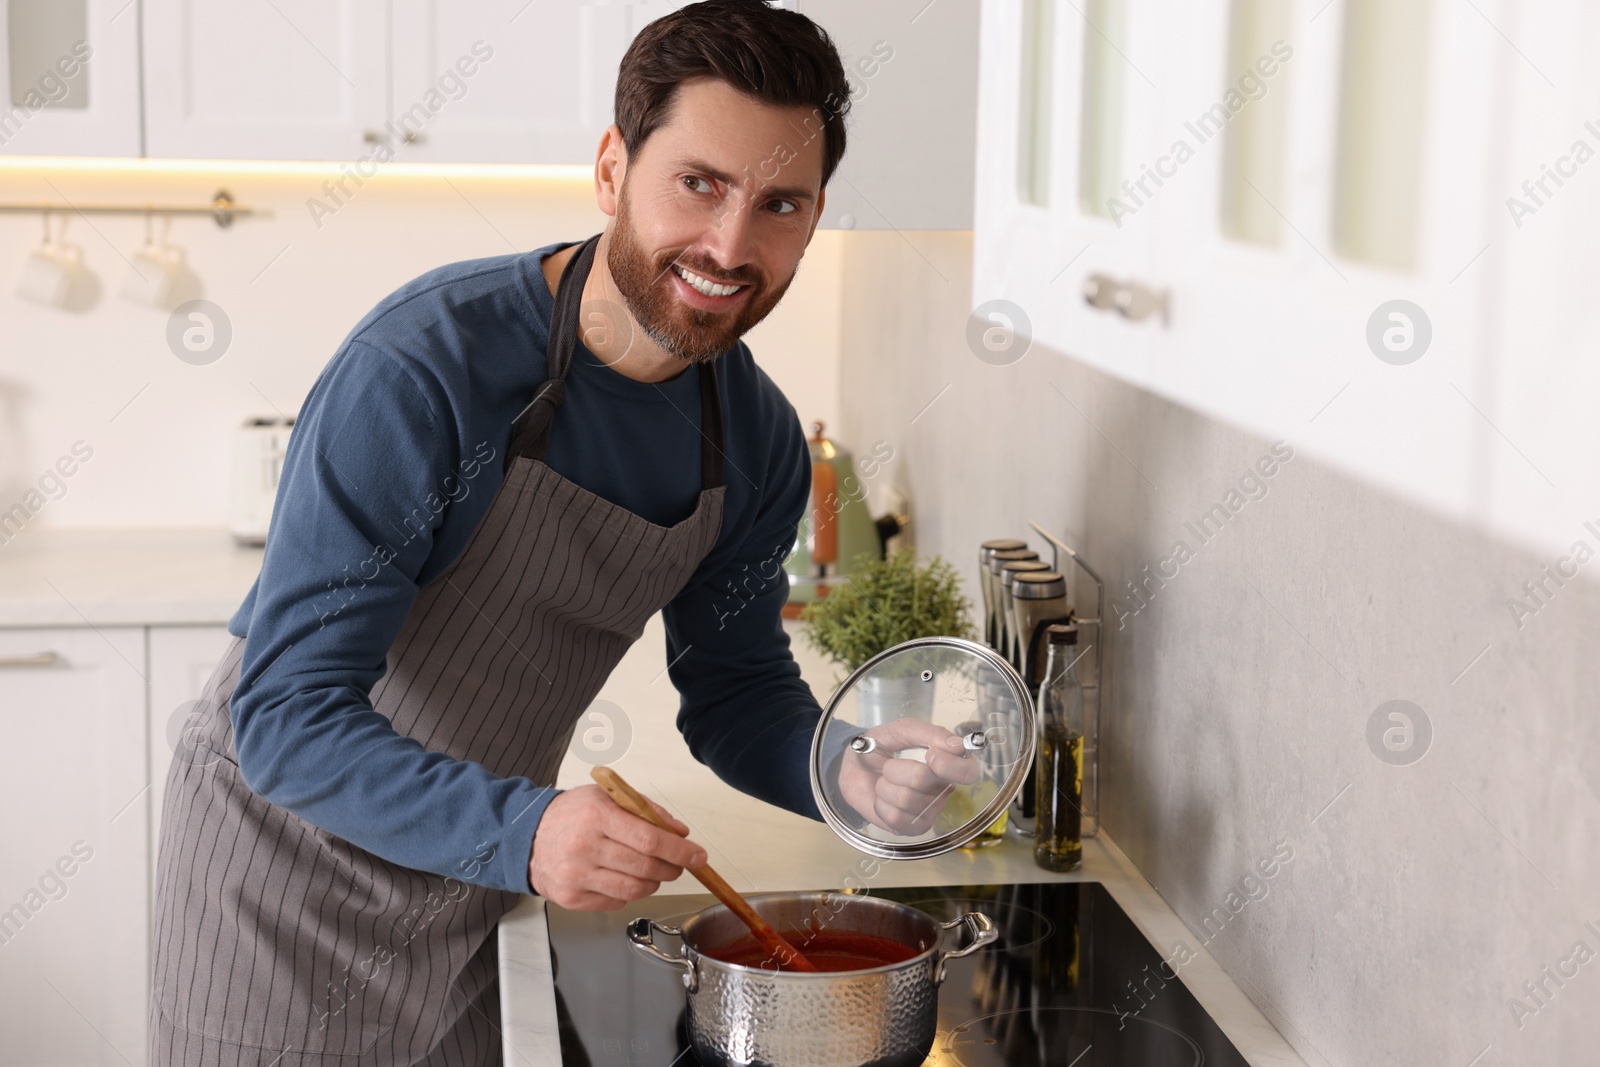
(1057, 840)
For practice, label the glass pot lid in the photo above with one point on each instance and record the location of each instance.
(922, 747)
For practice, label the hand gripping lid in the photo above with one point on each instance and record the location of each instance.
(922, 747)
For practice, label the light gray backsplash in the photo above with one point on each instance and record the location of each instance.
(1419, 898)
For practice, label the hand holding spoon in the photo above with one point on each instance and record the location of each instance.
(631, 801)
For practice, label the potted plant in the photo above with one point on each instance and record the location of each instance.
(883, 603)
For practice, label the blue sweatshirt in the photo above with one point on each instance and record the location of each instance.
(389, 450)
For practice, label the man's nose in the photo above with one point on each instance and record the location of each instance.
(729, 238)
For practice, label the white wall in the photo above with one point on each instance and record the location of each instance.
(292, 291)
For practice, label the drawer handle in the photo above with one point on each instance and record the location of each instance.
(38, 659)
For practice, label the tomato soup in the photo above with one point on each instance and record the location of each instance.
(827, 950)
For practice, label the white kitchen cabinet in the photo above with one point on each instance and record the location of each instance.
(1537, 446)
(181, 661)
(912, 126)
(74, 898)
(542, 83)
(494, 82)
(1063, 108)
(509, 82)
(505, 81)
(500, 81)
(1381, 200)
(291, 79)
(1284, 171)
(69, 78)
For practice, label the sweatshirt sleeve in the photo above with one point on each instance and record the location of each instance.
(366, 479)
(744, 709)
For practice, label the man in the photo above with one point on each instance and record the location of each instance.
(506, 469)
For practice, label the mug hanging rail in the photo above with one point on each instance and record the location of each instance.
(1057, 548)
(222, 209)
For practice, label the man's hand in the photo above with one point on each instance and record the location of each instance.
(590, 855)
(902, 795)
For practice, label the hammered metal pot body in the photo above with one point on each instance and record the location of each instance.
(748, 1016)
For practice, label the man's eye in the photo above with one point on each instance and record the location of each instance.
(788, 207)
(690, 180)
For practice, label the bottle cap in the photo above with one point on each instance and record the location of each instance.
(1013, 567)
(997, 558)
(1062, 633)
(1000, 544)
(1039, 585)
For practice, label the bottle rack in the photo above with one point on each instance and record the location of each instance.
(1092, 687)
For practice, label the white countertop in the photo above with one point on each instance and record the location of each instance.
(123, 577)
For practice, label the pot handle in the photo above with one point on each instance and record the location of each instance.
(983, 933)
(642, 933)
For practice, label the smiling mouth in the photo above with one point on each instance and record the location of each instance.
(705, 286)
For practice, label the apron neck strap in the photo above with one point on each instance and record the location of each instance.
(569, 303)
(530, 433)
(710, 427)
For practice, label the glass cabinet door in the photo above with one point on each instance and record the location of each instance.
(1317, 189)
(1068, 92)
(69, 75)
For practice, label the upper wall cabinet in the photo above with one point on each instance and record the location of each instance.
(291, 79)
(1063, 112)
(493, 81)
(1292, 216)
(509, 82)
(69, 78)
(1538, 440)
(909, 158)
(505, 81)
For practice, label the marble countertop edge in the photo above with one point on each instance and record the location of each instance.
(123, 576)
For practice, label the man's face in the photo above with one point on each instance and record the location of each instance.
(728, 190)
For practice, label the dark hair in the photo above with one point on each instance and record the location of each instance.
(775, 56)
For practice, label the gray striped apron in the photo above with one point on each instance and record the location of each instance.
(278, 944)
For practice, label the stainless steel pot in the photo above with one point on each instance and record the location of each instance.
(883, 1017)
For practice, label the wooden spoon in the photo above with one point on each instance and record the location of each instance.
(630, 800)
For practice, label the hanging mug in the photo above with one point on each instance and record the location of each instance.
(50, 272)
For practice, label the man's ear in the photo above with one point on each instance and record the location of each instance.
(610, 168)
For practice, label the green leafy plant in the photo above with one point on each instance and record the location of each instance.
(885, 602)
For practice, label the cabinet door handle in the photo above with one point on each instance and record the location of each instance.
(379, 137)
(1133, 300)
(1100, 292)
(37, 659)
(1138, 302)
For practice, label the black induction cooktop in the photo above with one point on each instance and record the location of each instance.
(1071, 983)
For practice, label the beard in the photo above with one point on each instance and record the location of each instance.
(689, 333)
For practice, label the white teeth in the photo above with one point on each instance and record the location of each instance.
(706, 285)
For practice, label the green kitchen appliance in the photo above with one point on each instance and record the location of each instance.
(838, 528)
